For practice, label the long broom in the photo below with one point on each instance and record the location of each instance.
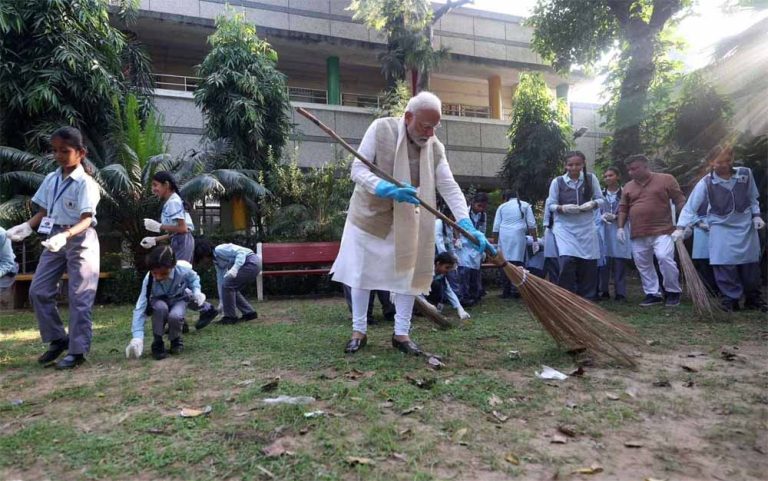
(705, 304)
(574, 322)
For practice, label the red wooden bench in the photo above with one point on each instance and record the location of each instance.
(299, 255)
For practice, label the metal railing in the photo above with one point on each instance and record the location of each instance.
(360, 100)
(462, 110)
(312, 96)
(176, 82)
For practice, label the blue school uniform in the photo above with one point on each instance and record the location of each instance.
(171, 291)
(8, 265)
(248, 265)
(575, 234)
(65, 201)
(612, 246)
(183, 245)
(513, 220)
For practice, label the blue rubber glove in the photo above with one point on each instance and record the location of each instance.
(388, 190)
(482, 244)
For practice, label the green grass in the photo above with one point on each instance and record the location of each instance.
(118, 419)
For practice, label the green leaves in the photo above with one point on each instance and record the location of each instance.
(539, 137)
(243, 96)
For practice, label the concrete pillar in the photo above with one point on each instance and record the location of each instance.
(494, 96)
(334, 80)
(562, 91)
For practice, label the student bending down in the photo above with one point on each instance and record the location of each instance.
(167, 289)
(441, 290)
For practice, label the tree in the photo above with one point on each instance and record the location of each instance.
(568, 33)
(539, 137)
(60, 64)
(408, 25)
(243, 96)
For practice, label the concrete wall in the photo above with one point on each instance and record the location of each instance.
(467, 32)
(475, 147)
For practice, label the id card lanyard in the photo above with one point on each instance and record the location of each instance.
(46, 224)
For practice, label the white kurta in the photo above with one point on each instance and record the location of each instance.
(368, 262)
(513, 221)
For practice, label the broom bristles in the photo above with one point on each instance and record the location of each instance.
(705, 304)
(431, 313)
(573, 322)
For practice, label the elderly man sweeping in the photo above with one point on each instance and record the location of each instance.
(388, 242)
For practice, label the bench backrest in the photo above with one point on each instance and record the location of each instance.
(293, 253)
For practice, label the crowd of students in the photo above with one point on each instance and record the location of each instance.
(590, 236)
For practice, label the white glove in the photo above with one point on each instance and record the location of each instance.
(608, 218)
(55, 243)
(570, 209)
(758, 222)
(134, 348)
(587, 206)
(702, 225)
(463, 315)
(553, 207)
(199, 298)
(152, 225)
(621, 236)
(687, 232)
(677, 235)
(20, 232)
(535, 247)
(148, 242)
(232, 273)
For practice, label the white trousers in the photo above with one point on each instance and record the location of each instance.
(643, 250)
(403, 311)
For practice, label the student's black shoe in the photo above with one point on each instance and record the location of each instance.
(673, 299)
(207, 315)
(354, 345)
(651, 300)
(620, 299)
(70, 361)
(249, 317)
(408, 347)
(158, 349)
(184, 327)
(55, 348)
(177, 346)
(226, 320)
(729, 305)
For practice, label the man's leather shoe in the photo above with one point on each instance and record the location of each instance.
(55, 348)
(408, 347)
(354, 345)
(70, 361)
(249, 317)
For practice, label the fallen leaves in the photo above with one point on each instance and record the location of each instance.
(594, 469)
(688, 368)
(558, 439)
(569, 431)
(271, 385)
(458, 436)
(356, 374)
(193, 413)
(495, 400)
(356, 460)
(511, 458)
(499, 416)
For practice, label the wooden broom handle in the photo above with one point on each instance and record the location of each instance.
(376, 170)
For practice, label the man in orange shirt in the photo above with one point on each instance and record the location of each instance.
(646, 202)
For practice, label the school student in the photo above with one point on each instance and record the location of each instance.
(441, 290)
(167, 289)
(700, 251)
(733, 217)
(616, 253)
(8, 266)
(551, 256)
(174, 219)
(236, 267)
(572, 199)
(513, 222)
(470, 263)
(479, 218)
(67, 199)
(446, 240)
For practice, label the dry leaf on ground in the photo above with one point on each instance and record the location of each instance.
(511, 458)
(193, 413)
(355, 460)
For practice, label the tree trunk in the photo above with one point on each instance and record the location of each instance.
(630, 109)
(414, 81)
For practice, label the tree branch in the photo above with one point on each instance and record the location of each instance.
(620, 9)
(662, 11)
(447, 7)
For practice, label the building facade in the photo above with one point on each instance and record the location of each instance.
(331, 63)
